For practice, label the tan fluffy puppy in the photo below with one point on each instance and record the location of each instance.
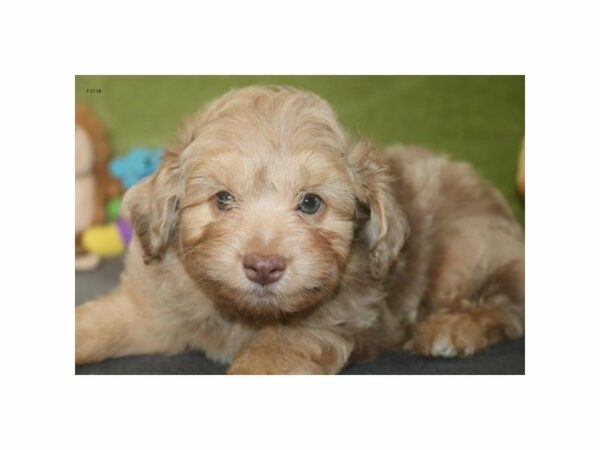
(270, 240)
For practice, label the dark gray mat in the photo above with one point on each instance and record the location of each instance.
(507, 358)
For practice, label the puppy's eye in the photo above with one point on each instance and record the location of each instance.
(223, 200)
(310, 204)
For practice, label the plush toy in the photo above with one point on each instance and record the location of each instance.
(108, 240)
(521, 171)
(112, 239)
(93, 184)
(113, 207)
(135, 165)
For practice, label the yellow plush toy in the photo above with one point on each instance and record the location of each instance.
(107, 240)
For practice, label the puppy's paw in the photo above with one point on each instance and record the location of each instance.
(250, 369)
(448, 334)
(258, 363)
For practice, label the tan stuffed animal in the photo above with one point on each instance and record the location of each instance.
(93, 184)
(521, 171)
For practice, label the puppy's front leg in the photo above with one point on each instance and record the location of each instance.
(113, 326)
(292, 350)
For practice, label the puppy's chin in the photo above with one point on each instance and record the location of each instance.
(266, 304)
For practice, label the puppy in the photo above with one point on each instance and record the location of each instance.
(273, 242)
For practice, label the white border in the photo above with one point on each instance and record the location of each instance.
(46, 43)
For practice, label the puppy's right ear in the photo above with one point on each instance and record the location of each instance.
(152, 205)
(152, 208)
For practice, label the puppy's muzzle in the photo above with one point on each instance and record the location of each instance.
(264, 269)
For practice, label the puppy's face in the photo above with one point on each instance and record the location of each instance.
(261, 195)
(267, 214)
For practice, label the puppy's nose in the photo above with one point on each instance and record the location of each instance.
(264, 269)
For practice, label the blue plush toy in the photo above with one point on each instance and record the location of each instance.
(135, 165)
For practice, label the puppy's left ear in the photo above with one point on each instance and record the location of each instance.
(387, 228)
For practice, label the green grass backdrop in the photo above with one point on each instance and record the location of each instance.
(475, 118)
